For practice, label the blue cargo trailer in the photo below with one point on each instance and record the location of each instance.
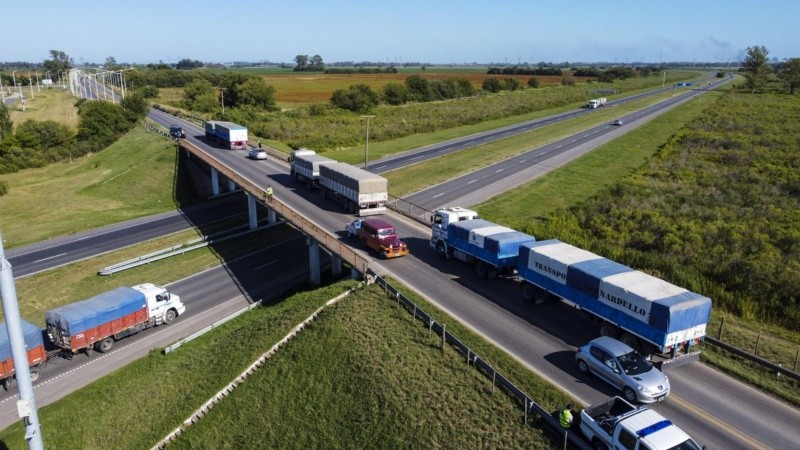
(492, 248)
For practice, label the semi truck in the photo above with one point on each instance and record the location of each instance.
(648, 314)
(228, 134)
(96, 323)
(493, 249)
(34, 345)
(597, 103)
(616, 424)
(360, 192)
(304, 166)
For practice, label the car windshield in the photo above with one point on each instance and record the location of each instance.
(686, 445)
(634, 364)
(386, 232)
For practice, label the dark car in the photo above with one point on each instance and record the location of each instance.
(381, 236)
(177, 132)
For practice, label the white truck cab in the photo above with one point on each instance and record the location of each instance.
(444, 217)
(162, 305)
(299, 152)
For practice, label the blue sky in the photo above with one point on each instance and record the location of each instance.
(434, 31)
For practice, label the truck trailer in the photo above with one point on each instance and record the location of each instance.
(493, 249)
(360, 192)
(228, 134)
(101, 320)
(304, 166)
(34, 345)
(648, 314)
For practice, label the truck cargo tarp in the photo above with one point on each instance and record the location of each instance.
(354, 178)
(31, 333)
(499, 240)
(81, 316)
(312, 162)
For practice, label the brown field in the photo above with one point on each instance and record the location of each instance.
(317, 88)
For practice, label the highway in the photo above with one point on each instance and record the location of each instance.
(704, 402)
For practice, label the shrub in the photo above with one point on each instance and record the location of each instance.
(533, 82)
(491, 85)
(358, 98)
(395, 94)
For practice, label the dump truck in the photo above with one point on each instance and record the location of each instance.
(227, 134)
(360, 192)
(304, 166)
(34, 345)
(96, 323)
(597, 103)
(648, 314)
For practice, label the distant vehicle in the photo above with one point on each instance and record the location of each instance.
(353, 227)
(618, 122)
(597, 103)
(257, 153)
(381, 236)
(620, 366)
(177, 132)
(229, 134)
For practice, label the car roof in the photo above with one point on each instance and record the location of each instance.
(612, 345)
(378, 224)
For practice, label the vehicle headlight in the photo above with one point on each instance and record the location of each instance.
(642, 388)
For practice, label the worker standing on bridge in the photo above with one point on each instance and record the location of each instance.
(269, 193)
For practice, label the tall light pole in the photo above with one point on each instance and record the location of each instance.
(366, 143)
(222, 99)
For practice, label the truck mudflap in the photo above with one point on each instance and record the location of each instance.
(678, 361)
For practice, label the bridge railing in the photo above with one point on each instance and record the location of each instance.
(329, 241)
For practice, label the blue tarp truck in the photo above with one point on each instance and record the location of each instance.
(647, 313)
(490, 247)
(34, 346)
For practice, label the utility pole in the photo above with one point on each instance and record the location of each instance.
(30, 83)
(222, 100)
(366, 144)
(26, 405)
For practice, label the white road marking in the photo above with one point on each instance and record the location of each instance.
(50, 257)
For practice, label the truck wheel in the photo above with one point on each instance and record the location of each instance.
(9, 383)
(441, 250)
(482, 269)
(530, 292)
(598, 445)
(35, 374)
(308, 184)
(608, 329)
(170, 316)
(629, 395)
(631, 341)
(105, 345)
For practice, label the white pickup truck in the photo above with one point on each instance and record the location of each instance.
(616, 424)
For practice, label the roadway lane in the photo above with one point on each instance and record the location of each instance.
(267, 274)
(45, 255)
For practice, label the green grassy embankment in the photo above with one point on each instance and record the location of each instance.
(134, 177)
(363, 375)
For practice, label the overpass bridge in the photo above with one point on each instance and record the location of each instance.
(316, 237)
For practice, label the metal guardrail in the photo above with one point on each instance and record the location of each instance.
(179, 249)
(777, 368)
(210, 328)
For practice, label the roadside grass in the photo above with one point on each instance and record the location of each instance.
(54, 104)
(420, 176)
(573, 183)
(134, 177)
(364, 374)
(138, 405)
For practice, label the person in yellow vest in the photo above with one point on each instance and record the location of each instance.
(565, 417)
(269, 193)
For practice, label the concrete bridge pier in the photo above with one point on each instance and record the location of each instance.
(231, 186)
(252, 212)
(214, 182)
(313, 262)
(271, 218)
(336, 265)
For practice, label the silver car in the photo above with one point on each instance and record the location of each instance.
(620, 366)
(257, 153)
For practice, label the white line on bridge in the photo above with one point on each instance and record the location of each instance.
(265, 265)
(438, 195)
(470, 182)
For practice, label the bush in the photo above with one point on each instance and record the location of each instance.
(100, 124)
(358, 98)
(568, 81)
(491, 85)
(511, 84)
(148, 91)
(3, 188)
(533, 82)
(395, 94)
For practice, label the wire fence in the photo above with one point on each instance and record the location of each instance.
(531, 409)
